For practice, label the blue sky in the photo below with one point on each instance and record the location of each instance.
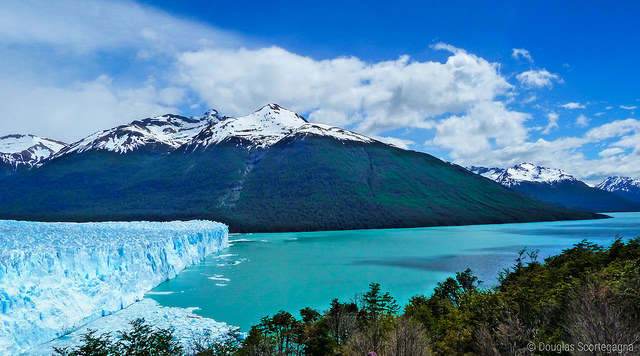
(484, 83)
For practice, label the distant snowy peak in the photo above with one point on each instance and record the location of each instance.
(267, 126)
(620, 184)
(166, 131)
(529, 172)
(523, 172)
(27, 150)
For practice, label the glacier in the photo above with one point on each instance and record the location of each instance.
(56, 277)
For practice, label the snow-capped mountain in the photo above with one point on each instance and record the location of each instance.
(267, 126)
(617, 183)
(523, 172)
(26, 151)
(626, 187)
(556, 186)
(165, 132)
(261, 129)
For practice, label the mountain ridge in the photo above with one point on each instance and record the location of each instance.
(556, 186)
(260, 173)
(626, 187)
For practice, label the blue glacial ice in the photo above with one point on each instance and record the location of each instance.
(56, 277)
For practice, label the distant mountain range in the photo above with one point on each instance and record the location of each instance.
(625, 187)
(558, 187)
(270, 170)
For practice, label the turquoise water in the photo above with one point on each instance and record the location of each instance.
(263, 273)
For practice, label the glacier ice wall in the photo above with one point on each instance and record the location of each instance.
(55, 277)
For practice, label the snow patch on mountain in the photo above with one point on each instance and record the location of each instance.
(261, 128)
(166, 132)
(620, 184)
(523, 172)
(56, 277)
(491, 173)
(267, 126)
(27, 150)
(330, 131)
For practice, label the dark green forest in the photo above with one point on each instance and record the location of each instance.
(585, 300)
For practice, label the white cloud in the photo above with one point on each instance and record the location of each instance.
(54, 51)
(375, 97)
(628, 107)
(88, 26)
(613, 129)
(471, 134)
(398, 142)
(518, 53)
(79, 110)
(582, 121)
(537, 78)
(552, 124)
(573, 105)
(612, 151)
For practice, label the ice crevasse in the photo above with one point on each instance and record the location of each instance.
(56, 277)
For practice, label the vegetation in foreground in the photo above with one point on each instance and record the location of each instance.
(587, 295)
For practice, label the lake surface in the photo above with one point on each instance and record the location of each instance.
(263, 273)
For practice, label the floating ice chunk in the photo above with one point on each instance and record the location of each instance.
(219, 277)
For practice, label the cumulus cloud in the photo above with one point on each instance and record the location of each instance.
(375, 97)
(521, 53)
(57, 75)
(537, 78)
(613, 129)
(473, 133)
(628, 107)
(573, 105)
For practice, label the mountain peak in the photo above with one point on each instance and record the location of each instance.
(619, 183)
(28, 150)
(210, 115)
(263, 127)
(168, 131)
(523, 172)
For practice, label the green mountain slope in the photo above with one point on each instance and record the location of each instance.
(304, 182)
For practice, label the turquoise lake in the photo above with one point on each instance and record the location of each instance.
(263, 273)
